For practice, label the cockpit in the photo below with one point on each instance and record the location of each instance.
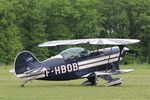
(75, 52)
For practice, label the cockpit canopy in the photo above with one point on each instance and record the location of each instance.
(75, 52)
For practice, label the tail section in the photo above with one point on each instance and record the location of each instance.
(27, 65)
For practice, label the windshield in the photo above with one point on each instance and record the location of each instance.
(74, 53)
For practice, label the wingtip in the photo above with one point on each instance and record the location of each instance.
(11, 70)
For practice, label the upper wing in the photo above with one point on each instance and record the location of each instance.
(96, 41)
(110, 41)
(64, 42)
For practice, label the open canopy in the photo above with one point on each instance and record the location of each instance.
(95, 41)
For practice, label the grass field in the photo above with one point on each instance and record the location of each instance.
(136, 86)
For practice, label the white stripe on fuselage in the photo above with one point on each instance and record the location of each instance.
(98, 61)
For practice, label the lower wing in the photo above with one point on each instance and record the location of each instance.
(100, 73)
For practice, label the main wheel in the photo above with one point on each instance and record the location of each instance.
(88, 83)
(115, 82)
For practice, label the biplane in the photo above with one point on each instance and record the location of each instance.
(76, 62)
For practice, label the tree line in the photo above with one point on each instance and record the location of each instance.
(26, 23)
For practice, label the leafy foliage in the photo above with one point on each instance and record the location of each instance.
(26, 23)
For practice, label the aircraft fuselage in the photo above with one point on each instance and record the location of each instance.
(59, 69)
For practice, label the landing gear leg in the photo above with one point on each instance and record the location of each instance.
(90, 82)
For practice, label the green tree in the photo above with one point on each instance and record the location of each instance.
(31, 23)
(83, 20)
(10, 40)
(138, 12)
(115, 22)
(56, 11)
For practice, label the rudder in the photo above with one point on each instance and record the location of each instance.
(24, 62)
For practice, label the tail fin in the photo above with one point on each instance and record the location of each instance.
(25, 61)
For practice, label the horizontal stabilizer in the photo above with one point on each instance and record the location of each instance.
(35, 71)
(11, 70)
(33, 74)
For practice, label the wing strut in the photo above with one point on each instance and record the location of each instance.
(108, 59)
(121, 48)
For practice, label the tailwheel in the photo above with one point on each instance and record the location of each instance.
(90, 82)
(25, 82)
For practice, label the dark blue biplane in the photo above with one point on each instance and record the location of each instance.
(75, 62)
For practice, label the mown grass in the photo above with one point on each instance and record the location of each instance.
(136, 86)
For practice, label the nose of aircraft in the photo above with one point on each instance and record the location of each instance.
(126, 49)
(129, 50)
